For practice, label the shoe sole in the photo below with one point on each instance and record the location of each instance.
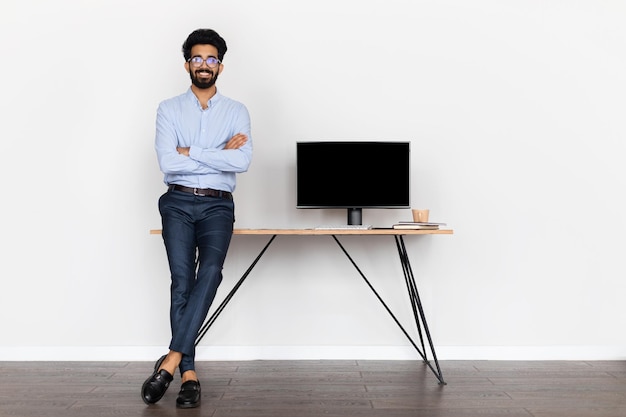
(188, 405)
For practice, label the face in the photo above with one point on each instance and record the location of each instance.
(203, 77)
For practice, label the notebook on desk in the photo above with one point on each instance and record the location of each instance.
(424, 223)
(409, 225)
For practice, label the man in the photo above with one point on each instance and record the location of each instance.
(202, 141)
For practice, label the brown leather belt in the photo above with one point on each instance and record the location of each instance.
(202, 192)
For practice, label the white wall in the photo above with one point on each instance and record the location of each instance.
(515, 110)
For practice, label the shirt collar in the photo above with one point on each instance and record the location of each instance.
(212, 101)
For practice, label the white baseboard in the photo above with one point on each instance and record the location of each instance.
(244, 353)
(530, 353)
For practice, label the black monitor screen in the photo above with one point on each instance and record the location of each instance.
(352, 174)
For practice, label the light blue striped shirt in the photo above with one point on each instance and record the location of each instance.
(181, 122)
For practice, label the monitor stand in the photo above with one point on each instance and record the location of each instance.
(355, 216)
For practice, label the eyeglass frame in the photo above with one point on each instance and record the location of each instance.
(204, 61)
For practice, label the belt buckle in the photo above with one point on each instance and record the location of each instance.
(196, 193)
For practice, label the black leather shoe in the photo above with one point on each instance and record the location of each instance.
(154, 387)
(189, 395)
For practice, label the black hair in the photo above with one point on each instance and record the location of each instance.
(204, 37)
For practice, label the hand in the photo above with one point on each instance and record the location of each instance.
(236, 141)
(183, 151)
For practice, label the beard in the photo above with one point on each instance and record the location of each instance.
(203, 82)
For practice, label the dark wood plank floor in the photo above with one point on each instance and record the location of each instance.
(323, 388)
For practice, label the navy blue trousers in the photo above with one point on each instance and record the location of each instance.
(196, 232)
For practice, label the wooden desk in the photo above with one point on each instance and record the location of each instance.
(331, 232)
(416, 304)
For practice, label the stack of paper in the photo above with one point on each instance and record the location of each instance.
(417, 225)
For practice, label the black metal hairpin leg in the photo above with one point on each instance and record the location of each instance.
(209, 322)
(416, 304)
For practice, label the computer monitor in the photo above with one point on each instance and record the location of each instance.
(353, 175)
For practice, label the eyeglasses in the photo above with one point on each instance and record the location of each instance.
(197, 61)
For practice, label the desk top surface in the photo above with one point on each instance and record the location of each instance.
(332, 232)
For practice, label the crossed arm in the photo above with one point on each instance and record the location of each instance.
(235, 142)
